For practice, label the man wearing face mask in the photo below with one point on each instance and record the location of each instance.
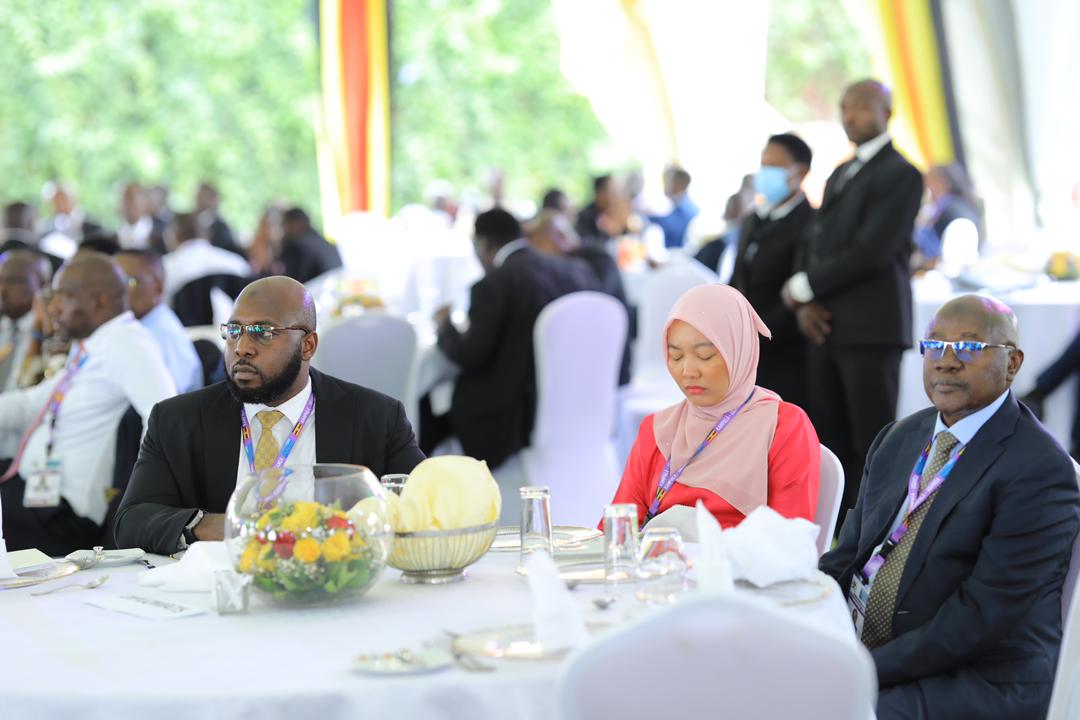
(852, 294)
(765, 260)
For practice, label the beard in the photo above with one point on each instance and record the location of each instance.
(271, 388)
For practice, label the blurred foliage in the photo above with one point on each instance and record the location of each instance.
(100, 92)
(477, 87)
(160, 91)
(814, 52)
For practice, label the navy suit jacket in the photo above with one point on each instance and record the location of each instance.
(977, 625)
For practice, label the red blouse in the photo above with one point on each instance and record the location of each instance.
(794, 469)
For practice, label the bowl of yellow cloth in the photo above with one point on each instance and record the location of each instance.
(445, 519)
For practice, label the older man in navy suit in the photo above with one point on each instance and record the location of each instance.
(954, 557)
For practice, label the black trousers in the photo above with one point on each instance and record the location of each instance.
(55, 531)
(1059, 371)
(853, 393)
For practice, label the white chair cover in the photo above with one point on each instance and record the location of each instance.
(375, 350)
(578, 341)
(830, 493)
(221, 305)
(1065, 701)
(728, 656)
(660, 292)
(206, 332)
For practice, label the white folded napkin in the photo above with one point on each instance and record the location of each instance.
(768, 548)
(557, 620)
(194, 572)
(680, 517)
(713, 566)
(5, 565)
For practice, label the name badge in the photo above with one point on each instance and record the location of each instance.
(857, 597)
(43, 487)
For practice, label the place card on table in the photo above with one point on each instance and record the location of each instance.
(25, 561)
(145, 607)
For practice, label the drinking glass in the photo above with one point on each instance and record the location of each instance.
(394, 483)
(535, 522)
(620, 547)
(662, 565)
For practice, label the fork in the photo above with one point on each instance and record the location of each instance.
(95, 583)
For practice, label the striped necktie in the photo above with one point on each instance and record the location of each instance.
(881, 604)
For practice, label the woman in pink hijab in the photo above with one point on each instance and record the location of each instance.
(731, 444)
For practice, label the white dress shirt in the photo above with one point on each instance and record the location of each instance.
(507, 250)
(303, 453)
(137, 236)
(123, 367)
(21, 329)
(196, 259)
(176, 347)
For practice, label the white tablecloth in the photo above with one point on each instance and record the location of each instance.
(62, 658)
(1049, 317)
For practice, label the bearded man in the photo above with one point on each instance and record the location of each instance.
(194, 452)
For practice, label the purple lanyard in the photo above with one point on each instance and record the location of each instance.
(915, 500)
(59, 393)
(290, 442)
(668, 478)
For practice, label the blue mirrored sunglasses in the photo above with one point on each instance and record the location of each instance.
(965, 350)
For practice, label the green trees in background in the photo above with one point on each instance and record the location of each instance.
(98, 92)
(476, 87)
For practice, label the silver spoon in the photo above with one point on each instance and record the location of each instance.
(463, 660)
(95, 583)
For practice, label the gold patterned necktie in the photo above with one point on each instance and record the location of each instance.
(881, 604)
(267, 450)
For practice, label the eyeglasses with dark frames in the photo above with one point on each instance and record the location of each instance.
(261, 333)
(965, 350)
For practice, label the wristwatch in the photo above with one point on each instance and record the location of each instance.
(188, 536)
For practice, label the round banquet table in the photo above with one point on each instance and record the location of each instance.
(1049, 318)
(62, 658)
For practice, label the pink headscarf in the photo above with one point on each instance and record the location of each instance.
(736, 465)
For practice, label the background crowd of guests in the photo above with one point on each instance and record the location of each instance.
(957, 522)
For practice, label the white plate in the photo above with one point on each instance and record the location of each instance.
(403, 662)
(563, 537)
(112, 557)
(794, 592)
(513, 643)
(54, 571)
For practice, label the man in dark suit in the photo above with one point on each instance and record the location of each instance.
(852, 296)
(494, 401)
(213, 226)
(954, 558)
(192, 455)
(765, 259)
(305, 253)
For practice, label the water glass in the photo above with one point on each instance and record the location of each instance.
(662, 565)
(620, 547)
(535, 522)
(230, 592)
(394, 483)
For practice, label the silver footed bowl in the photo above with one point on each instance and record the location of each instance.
(433, 557)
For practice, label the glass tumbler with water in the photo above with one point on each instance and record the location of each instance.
(620, 547)
(535, 522)
(395, 483)
(662, 565)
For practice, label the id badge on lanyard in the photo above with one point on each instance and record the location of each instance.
(857, 598)
(43, 486)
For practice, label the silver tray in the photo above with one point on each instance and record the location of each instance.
(563, 537)
(60, 569)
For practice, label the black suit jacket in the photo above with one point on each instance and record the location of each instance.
(609, 281)
(191, 451)
(980, 596)
(495, 396)
(308, 256)
(763, 263)
(858, 251)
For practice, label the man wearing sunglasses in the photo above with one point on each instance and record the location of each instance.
(955, 555)
(194, 453)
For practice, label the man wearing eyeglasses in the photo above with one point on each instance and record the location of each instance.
(195, 452)
(955, 555)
